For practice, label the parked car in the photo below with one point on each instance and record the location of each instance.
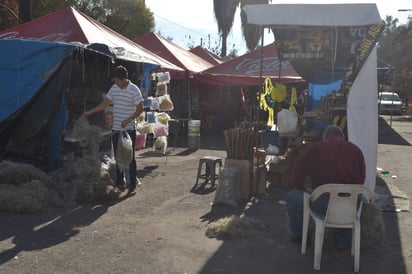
(389, 102)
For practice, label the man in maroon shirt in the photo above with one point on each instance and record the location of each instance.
(332, 160)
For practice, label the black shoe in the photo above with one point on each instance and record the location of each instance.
(131, 192)
(121, 187)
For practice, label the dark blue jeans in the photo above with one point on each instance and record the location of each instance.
(132, 166)
(343, 236)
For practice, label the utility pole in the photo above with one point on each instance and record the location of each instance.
(25, 10)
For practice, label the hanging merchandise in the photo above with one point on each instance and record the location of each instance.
(165, 103)
(163, 118)
(287, 122)
(161, 89)
(154, 103)
(163, 77)
(279, 92)
(272, 94)
(151, 117)
(264, 102)
(293, 101)
(145, 128)
(160, 130)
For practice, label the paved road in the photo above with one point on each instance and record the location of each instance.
(162, 228)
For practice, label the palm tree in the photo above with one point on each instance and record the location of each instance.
(225, 13)
(390, 24)
(251, 33)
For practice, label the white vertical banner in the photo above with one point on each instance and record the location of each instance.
(362, 112)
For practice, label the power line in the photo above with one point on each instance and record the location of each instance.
(217, 40)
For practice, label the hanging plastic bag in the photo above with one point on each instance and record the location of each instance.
(161, 89)
(160, 130)
(124, 152)
(145, 128)
(165, 103)
(279, 92)
(154, 104)
(163, 118)
(287, 122)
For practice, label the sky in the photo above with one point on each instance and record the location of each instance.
(188, 22)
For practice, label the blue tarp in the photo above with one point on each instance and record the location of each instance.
(34, 80)
(317, 91)
(25, 66)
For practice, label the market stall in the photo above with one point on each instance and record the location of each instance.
(326, 43)
(77, 80)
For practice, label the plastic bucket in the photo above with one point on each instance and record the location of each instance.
(193, 135)
(268, 137)
(193, 142)
(193, 128)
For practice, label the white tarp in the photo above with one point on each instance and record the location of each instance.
(362, 113)
(312, 14)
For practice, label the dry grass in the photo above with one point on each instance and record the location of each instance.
(233, 227)
(29, 197)
(372, 226)
(26, 189)
(19, 173)
(88, 175)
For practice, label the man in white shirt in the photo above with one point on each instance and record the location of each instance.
(127, 103)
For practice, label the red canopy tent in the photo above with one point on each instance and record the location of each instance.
(207, 55)
(70, 25)
(246, 70)
(175, 54)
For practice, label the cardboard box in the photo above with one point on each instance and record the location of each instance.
(278, 175)
(259, 180)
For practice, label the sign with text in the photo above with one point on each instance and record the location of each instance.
(326, 54)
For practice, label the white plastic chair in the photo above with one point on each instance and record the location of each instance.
(342, 212)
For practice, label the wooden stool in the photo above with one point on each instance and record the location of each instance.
(210, 172)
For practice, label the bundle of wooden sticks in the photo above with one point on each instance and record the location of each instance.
(240, 143)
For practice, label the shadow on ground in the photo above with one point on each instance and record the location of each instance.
(29, 232)
(387, 135)
(270, 250)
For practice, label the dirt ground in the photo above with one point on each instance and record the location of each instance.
(162, 228)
